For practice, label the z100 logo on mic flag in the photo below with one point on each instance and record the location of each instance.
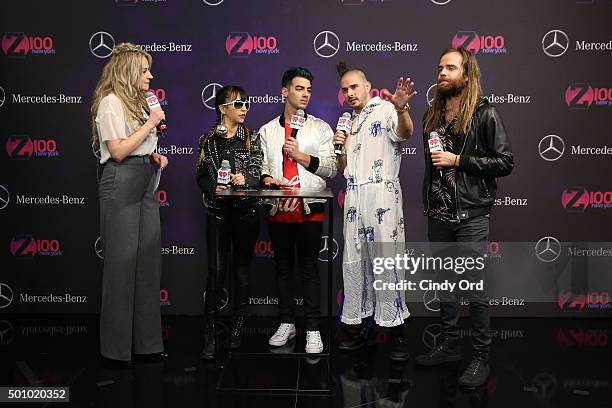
(582, 96)
(486, 44)
(242, 44)
(160, 94)
(23, 147)
(578, 199)
(26, 246)
(19, 45)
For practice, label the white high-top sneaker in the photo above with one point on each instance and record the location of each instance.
(285, 332)
(314, 344)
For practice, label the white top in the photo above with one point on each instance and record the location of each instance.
(315, 138)
(373, 147)
(112, 125)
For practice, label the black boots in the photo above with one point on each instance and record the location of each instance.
(443, 353)
(474, 376)
(477, 372)
(399, 345)
(355, 336)
(210, 337)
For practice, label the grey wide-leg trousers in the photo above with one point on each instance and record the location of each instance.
(130, 316)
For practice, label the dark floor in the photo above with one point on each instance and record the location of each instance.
(534, 363)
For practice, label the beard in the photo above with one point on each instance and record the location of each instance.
(451, 88)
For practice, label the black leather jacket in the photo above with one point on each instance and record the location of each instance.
(485, 155)
(209, 161)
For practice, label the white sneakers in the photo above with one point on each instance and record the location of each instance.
(286, 332)
(314, 344)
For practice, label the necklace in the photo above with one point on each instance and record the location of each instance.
(366, 112)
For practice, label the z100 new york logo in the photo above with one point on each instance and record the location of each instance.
(26, 246)
(23, 147)
(583, 95)
(242, 44)
(19, 45)
(577, 302)
(483, 43)
(162, 198)
(578, 199)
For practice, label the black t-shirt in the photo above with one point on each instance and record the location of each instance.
(442, 190)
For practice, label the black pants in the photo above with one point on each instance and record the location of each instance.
(237, 230)
(303, 238)
(467, 238)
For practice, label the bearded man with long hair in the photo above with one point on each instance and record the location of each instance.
(458, 193)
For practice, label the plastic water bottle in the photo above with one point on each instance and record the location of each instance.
(223, 174)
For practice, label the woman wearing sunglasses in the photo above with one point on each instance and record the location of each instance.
(231, 224)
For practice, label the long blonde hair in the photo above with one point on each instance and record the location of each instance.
(470, 96)
(120, 76)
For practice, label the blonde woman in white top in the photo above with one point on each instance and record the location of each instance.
(130, 316)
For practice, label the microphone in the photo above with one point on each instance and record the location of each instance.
(344, 125)
(435, 144)
(154, 103)
(297, 122)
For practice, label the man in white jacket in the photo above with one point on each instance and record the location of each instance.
(373, 215)
(295, 224)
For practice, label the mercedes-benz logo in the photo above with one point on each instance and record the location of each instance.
(555, 43)
(209, 93)
(548, 249)
(98, 248)
(101, 44)
(551, 147)
(440, 2)
(326, 44)
(431, 334)
(5, 197)
(323, 252)
(431, 300)
(6, 295)
(212, 2)
(429, 96)
(2, 96)
(223, 299)
(7, 332)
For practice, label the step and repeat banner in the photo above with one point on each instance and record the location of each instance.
(545, 65)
